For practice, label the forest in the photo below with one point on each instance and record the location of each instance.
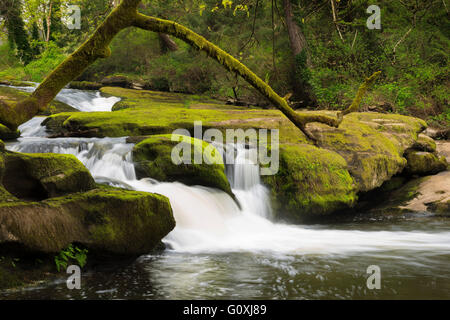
(224, 149)
(411, 50)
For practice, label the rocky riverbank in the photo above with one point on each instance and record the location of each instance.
(315, 179)
(50, 201)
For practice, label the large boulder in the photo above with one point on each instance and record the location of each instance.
(372, 144)
(105, 220)
(371, 147)
(311, 182)
(153, 158)
(49, 201)
(366, 151)
(42, 176)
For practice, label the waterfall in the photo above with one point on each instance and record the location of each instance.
(86, 101)
(208, 220)
(106, 158)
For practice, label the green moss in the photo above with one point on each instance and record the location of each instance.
(147, 117)
(122, 221)
(424, 143)
(311, 182)
(424, 163)
(153, 158)
(372, 144)
(361, 92)
(105, 219)
(48, 175)
(7, 134)
(121, 105)
(85, 85)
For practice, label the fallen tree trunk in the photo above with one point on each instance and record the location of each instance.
(97, 46)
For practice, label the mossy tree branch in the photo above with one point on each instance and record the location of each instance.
(97, 46)
(359, 95)
(232, 64)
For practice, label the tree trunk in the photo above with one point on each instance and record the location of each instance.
(166, 44)
(296, 37)
(333, 10)
(300, 72)
(49, 22)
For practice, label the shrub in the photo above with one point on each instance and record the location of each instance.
(47, 61)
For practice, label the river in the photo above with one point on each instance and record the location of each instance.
(221, 251)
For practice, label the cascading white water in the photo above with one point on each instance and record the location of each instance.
(209, 220)
(106, 158)
(33, 128)
(86, 101)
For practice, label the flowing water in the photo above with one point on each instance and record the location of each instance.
(221, 251)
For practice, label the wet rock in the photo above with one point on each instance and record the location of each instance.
(41, 176)
(311, 183)
(48, 201)
(153, 158)
(6, 133)
(105, 220)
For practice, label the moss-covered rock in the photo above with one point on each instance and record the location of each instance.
(311, 182)
(372, 144)
(121, 105)
(56, 107)
(424, 163)
(424, 143)
(142, 112)
(116, 81)
(7, 134)
(48, 201)
(17, 83)
(105, 220)
(85, 85)
(153, 158)
(41, 176)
